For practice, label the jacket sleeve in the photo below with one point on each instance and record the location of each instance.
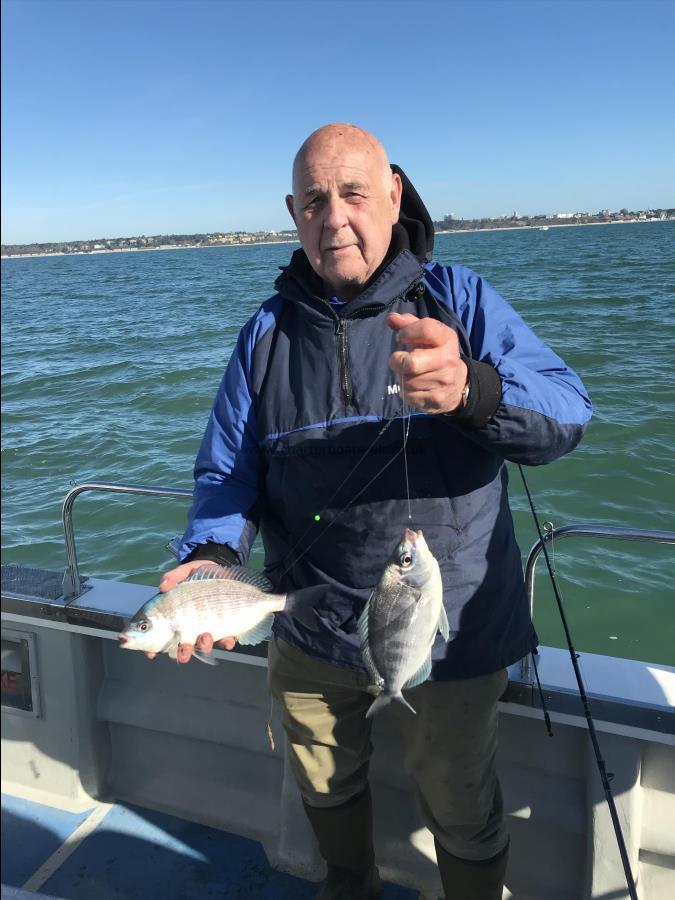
(532, 407)
(226, 468)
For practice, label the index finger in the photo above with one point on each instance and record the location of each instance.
(174, 576)
(422, 333)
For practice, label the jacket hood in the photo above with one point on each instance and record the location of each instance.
(413, 232)
(415, 220)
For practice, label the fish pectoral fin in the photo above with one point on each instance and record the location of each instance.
(443, 624)
(259, 633)
(420, 675)
(171, 647)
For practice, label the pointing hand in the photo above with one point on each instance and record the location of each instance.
(432, 373)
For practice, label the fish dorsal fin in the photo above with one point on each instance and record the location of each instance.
(443, 624)
(420, 675)
(366, 655)
(259, 633)
(231, 573)
(362, 624)
(371, 668)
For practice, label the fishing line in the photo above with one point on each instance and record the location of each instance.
(405, 421)
(317, 516)
(406, 431)
(605, 777)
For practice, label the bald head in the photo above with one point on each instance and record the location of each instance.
(345, 202)
(336, 139)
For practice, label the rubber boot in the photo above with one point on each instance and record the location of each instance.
(345, 836)
(468, 879)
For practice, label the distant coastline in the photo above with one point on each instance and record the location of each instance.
(465, 229)
(147, 249)
(547, 227)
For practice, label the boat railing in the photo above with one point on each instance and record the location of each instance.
(73, 585)
(585, 530)
(72, 581)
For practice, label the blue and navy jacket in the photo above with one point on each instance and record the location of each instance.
(304, 444)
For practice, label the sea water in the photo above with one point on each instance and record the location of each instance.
(111, 361)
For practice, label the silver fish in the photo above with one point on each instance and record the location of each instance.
(225, 602)
(400, 621)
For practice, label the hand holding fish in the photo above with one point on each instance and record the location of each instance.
(200, 599)
(205, 642)
(432, 373)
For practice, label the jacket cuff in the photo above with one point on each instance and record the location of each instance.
(220, 553)
(485, 394)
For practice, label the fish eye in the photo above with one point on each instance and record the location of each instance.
(405, 560)
(143, 626)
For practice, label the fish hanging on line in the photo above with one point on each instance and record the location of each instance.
(400, 621)
(223, 601)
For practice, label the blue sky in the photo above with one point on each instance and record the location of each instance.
(127, 117)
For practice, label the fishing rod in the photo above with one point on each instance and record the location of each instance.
(605, 777)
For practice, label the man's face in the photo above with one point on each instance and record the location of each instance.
(345, 201)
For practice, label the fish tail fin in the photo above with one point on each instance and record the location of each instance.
(301, 604)
(380, 702)
(384, 699)
(401, 699)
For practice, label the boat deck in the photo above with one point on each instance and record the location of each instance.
(120, 852)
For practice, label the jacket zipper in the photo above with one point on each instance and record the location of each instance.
(345, 381)
(415, 287)
(341, 335)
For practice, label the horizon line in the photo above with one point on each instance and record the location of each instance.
(292, 231)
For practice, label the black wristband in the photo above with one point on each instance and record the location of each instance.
(220, 553)
(485, 394)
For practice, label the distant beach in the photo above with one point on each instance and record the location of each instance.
(148, 249)
(547, 227)
(263, 243)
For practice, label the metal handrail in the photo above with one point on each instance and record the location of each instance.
(72, 583)
(603, 531)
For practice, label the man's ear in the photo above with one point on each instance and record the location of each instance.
(395, 195)
(290, 207)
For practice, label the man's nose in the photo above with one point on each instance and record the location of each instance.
(336, 213)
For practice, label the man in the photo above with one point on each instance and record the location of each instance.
(301, 446)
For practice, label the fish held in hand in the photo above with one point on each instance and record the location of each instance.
(223, 601)
(400, 621)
